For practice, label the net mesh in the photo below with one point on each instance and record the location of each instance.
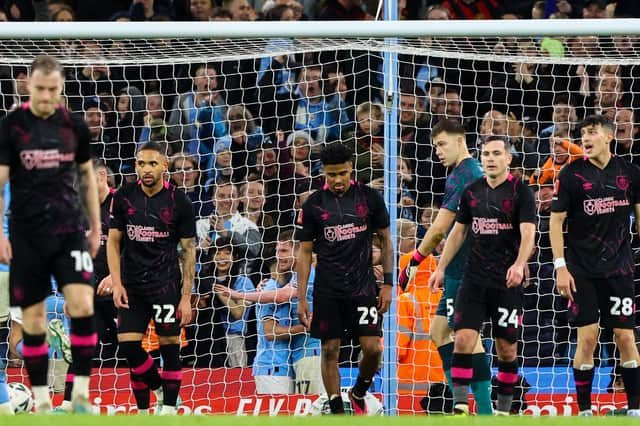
(256, 112)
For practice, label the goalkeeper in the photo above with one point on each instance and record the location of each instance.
(449, 139)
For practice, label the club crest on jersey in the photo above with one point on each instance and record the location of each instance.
(507, 205)
(622, 182)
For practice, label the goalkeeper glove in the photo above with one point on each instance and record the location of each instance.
(405, 274)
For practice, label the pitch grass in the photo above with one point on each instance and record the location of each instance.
(75, 420)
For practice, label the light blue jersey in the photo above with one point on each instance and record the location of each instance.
(469, 170)
(237, 326)
(303, 345)
(272, 356)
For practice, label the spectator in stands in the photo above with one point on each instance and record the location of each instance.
(227, 221)
(154, 115)
(367, 143)
(340, 10)
(564, 120)
(563, 152)
(608, 94)
(436, 12)
(202, 104)
(150, 10)
(524, 145)
(221, 14)
(320, 115)
(253, 201)
(415, 146)
(103, 144)
(208, 334)
(272, 370)
(91, 80)
(64, 14)
(201, 10)
(234, 312)
(626, 137)
(13, 89)
(279, 184)
(419, 363)
(594, 9)
(129, 121)
(240, 9)
(474, 9)
(185, 174)
(242, 137)
(406, 195)
(303, 151)
(221, 169)
(537, 10)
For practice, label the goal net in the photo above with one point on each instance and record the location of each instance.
(243, 121)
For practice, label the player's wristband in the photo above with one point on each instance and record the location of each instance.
(388, 279)
(559, 263)
(418, 257)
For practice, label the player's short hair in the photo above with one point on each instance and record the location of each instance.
(98, 164)
(47, 64)
(448, 125)
(597, 120)
(153, 146)
(504, 140)
(335, 153)
(286, 235)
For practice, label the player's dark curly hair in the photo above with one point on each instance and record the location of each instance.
(335, 153)
(597, 119)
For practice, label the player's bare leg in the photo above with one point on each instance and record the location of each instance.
(630, 363)
(171, 373)
(371, 353)
(35, 352)
(331, 374)
(79, 304)
(507, 374)
(143, 370)
(583, 366)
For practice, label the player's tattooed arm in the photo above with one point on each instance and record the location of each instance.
(188, 264)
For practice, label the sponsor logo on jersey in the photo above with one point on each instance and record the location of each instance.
(44, 158)
(605, 205)
(489, 226)
(343, 232)
(144, 234)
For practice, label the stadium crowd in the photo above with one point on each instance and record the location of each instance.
(243, 138)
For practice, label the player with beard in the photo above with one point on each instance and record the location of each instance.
(45, 151)
(596, 196)
(151, 278)
(499, 213)
(337, 223)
